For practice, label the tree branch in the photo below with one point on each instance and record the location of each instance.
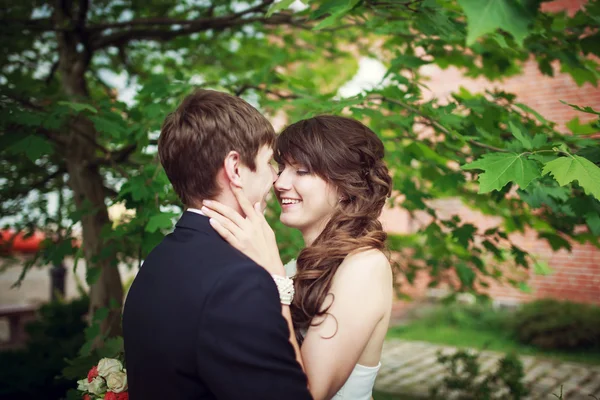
(162, 21)
(23, 102)
(245, 87)
(123, 153)
(84, 6)
(128, 65)
(435, 123)
(13, 193)
(166, 33)
(38, 24)
(52, 136)
(51, 73)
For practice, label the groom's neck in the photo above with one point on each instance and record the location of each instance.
(226, 197)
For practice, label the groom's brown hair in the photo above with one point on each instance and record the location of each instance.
(196, 137)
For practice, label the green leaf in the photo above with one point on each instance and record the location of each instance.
(464, 234)
(281, 5)
(86, 349)
(524, 287)
(530, 110)
(112, 347)
(327, 22)
(580, 74)
(78, 367)
(520, 256)
(492, 248)
(557, 242)
(465, 274)
(92, 331)
(407, 61)
(539, 140)
(525, 140)
(542, 268)
(33, 147)
(592, 219)
(111, 125)
(591, 153)
(337, 9)
(485, 16)
(421, 151)
(101, 314)
(591, 44)
(575, 168)
(502, 168)
(585, 109)
(159, 221)
(79, 107)
(581, 129)
(92, 275)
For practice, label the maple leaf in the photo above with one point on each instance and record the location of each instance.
(502, 168)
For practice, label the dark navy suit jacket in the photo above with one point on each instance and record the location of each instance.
(203, 321)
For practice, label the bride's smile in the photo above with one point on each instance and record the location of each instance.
(307, 200)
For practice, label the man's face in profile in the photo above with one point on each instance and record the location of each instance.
(258, 183)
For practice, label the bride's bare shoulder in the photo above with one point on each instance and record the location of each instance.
(366, 262)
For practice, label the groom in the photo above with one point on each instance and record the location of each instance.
(201, 320)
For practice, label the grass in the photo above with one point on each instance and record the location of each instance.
(480, 329)
(388, 396)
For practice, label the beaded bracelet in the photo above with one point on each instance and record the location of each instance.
(285, 286)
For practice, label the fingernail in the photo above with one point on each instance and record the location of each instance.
(207, 202)
(204, 209)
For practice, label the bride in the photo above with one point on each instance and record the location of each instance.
(332, 186)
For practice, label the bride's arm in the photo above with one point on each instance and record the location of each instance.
(285, 310)
(362, 293)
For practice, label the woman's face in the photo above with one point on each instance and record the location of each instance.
(307, 201)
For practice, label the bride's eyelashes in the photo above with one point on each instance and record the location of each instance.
(300, 171)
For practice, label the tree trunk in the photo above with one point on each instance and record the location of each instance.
(88, 191)
(84, 177)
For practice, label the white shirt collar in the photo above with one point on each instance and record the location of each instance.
(195, 210)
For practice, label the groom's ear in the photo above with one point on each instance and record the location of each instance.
(231, 166)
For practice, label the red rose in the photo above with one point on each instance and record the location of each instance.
(110, 396)
(122, 396)
(86, 397)
(93, 373)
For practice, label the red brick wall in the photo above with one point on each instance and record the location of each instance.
(576, 275)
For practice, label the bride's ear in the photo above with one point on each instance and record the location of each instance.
(231, 166)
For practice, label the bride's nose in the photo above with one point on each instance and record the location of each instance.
(283, 182)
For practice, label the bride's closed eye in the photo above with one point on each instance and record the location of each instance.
(300, 170)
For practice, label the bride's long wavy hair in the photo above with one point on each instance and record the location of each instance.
(348, 155)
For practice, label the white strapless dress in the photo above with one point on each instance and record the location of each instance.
(359, 385)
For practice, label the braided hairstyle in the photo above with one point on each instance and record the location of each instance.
(347, 154)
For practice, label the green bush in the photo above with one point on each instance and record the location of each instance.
(562, 325)
(466, 381)
(35, 371)
(476, 316)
